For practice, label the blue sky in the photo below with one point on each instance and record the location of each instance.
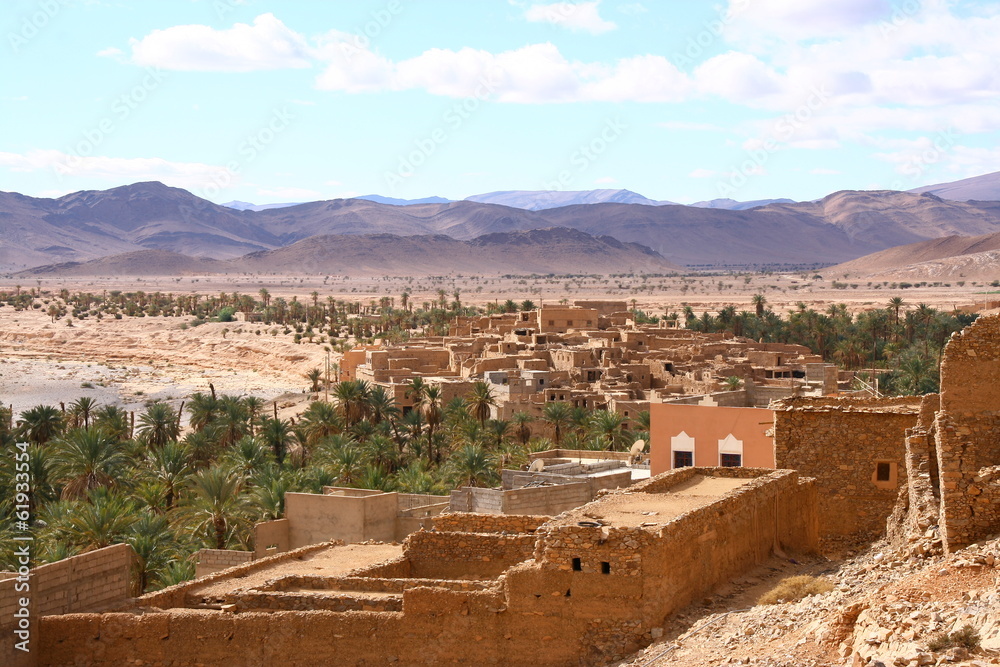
(269, 101)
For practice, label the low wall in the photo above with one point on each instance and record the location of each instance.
(463, 522)
(270, 538)
(439, 555)
(540, 500)
(214, 560)
(89, 582)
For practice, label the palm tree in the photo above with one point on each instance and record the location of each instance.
(320, 420)
(203, 410)
(314, 376)
(215, 507)
(429, 405)
(248, 457)
(113, 420)
(480, 400)
(40, 423)
(82, 407)
(169, 465)
(155, 547)
(381, 405)
(102, 521)
(158, 425)
(470, 465)
(87, 459)
(558, 415)
(232, 422)
(759, 301)
(277, 434)
(521, 428)
(351, 396)
(608, 426)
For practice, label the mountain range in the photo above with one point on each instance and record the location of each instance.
(843, 226)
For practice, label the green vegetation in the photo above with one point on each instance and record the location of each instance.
(169, 491)
(966, 638)
(899, 345)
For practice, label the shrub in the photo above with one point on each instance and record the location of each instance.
(791, 589)
(966, 637)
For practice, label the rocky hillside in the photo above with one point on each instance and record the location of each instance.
(886, 608)
(556, 250)
(949, 258)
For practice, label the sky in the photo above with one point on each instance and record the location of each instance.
(265, 101)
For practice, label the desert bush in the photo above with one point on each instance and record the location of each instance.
(791, 589)
(966, 637)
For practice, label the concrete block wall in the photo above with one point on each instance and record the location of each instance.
(93, 581)
(209, 561)
(543, 500)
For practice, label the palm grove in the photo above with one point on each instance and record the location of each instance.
(171, 481)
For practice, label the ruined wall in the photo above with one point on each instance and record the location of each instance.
(968, 434)
(270, 538)
(548, 500)
(840, 442)
(92, 581)
(441, 555)
(464, 522)
(214, 560)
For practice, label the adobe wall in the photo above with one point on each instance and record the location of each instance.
(968, 434)
(616, 476)
(839, 441)
(441, 555)
(465, 522)
(708, 425)
(92, 581)
(214, 560)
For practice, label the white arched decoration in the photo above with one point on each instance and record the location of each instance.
(682, 442)
(730, 445)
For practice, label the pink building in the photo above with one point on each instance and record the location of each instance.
(686, 435)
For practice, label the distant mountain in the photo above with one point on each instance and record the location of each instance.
(733, 205)
(151, 216)
(247, 206)
(379, 199)
(979, 188)
(537, 251)
(951, 257)
(538, 200)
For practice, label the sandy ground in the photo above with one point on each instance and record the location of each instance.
(327, 562)
(132, 361)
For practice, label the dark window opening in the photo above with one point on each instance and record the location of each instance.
(683, 459)
(567, 593)
(577, 565)
(605, 568)
(731, 460)
(882, 472)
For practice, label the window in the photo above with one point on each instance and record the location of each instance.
(569, 323)
(552, 323)
(577, 566)
(882, 471)
(731, 460)
(605, 568)
(541, 381)
(884, 475)
(683, 459)
(590, 323)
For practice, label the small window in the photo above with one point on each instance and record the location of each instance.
(683, 459)
(590, 323)
(883, 471)
(552, 323)
(569, 323)
(605, 568)
(731, 460)
(577, 565)
(541, 381)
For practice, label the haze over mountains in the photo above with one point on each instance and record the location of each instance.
(151, 216)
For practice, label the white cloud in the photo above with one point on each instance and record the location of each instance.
(632, 8)
(739, 77)
(577, 16)
(268, 44)
(115, 171)
(536, 73)
(801, 19)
